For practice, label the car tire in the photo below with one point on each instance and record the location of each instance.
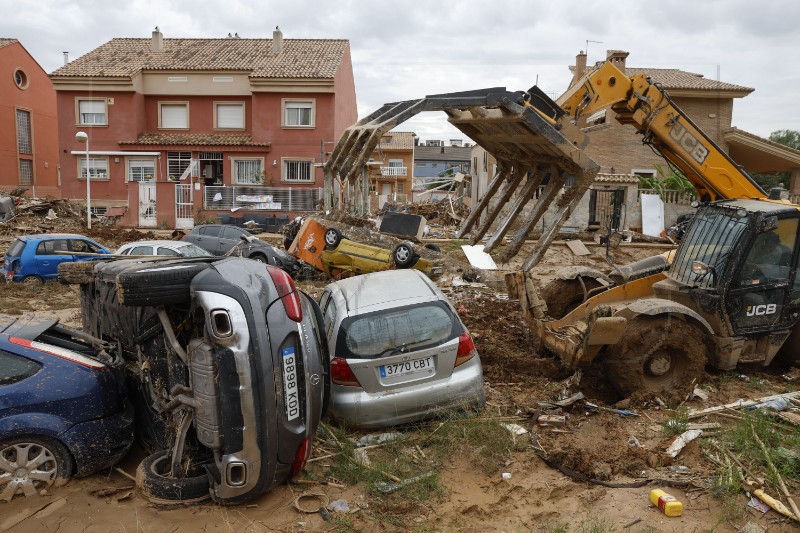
(403, 255)
(56, 468)
(76, 273)
(157, 285)
(32, 279)
(261, 258)
(332, 238)
(434, 247)
(152, 481)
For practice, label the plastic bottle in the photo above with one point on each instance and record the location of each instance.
(666, 504)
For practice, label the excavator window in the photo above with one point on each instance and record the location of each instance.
(770, 256)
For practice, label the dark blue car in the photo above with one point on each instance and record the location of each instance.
(63, 406)
(35, 258)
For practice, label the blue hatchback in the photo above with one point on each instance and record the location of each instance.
(63, 406)
(35, 258)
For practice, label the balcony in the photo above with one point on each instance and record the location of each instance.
(394, 172)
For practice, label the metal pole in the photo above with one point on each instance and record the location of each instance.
(88, 189)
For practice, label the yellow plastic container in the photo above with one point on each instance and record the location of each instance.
(666, 504)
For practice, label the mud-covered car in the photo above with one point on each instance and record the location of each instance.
(228, 368)
(63, 411)
(332, 250)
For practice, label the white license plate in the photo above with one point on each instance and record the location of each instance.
(407, 368)
(291, 393)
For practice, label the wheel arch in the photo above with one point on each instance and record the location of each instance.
(660, 306)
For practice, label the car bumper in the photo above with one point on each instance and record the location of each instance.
(99, 444)
(360, 409)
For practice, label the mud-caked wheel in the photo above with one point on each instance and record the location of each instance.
(80, 272)
(564, 295)
(656, 354)
(154, 480)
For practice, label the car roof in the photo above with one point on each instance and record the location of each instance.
(378, 288)
(163, 242)
(47, 236)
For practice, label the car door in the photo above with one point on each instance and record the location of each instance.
(206, 237)
(48, 258)
(231, 236)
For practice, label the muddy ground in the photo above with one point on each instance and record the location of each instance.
(535, 497)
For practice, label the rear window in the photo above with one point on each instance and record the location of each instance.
(16, 248)
(14, 368)
(391, 331)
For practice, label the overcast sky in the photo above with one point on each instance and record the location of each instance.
(405, 50)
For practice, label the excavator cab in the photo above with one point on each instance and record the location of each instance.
(738, 257)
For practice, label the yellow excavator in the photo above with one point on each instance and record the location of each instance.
(729, 293)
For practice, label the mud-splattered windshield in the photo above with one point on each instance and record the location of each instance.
(712, 238)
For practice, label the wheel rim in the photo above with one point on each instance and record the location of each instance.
(330, 237)
(26, 467)
(259, 258)
(402, 254)
(31, 280)
(658, 365)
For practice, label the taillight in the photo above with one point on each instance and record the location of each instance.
(342, 374)
(287, 293)
(466, 349)
(301, 457)
(57, 351)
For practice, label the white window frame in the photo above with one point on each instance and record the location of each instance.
(235, 170)
(94, 167)
(129, 163)
(294, 103)
(79, 116)
(285, 162)
(161, 106)
(218, 105)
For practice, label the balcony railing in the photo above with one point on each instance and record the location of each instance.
(392, 172)
(253, 198)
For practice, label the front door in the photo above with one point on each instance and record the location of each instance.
(147, 204)
(184, 205)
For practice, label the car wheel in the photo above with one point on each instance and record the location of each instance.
(261, 258)
(153, 480)
(76, 273)
(403, 255)
(29, 465)
(434, 247)
(157, 285)
(332, 238)
(32, 280)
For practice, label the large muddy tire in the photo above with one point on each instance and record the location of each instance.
(79, 273)
(31, 464)
(153, 481)
(564, 295)
(157, 284)
(656, 354)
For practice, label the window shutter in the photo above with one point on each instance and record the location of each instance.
(230, 116)
(93, 106)
(174, 117)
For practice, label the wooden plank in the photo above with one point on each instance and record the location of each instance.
(578, 248)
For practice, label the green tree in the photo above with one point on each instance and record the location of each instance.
(790, 138)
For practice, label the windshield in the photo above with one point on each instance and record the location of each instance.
(397, 330)
(711, 239)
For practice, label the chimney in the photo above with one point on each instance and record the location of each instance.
(277, 41)
(66, 57)
(157, 44)
(617, 58)
(580, 66)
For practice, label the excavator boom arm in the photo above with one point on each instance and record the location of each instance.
(644, 105)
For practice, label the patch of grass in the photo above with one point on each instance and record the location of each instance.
(488, 444)
(677, 423)
(342, 524)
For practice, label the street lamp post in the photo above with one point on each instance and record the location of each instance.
(82, 137)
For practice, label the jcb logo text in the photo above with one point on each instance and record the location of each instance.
(759, 310)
